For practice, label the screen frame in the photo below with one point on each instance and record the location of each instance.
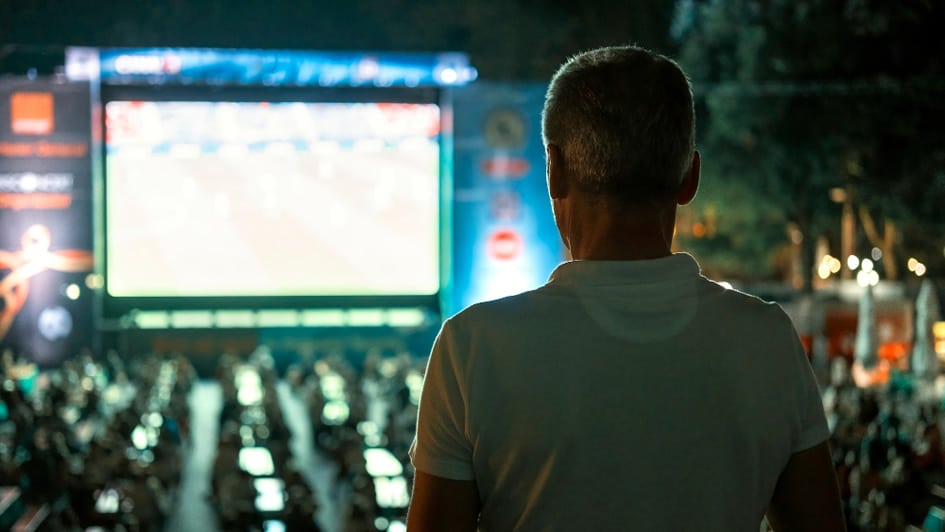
(117, 306)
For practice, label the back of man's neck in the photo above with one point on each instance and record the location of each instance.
(622, 253)
(621, 242)
(619, 237)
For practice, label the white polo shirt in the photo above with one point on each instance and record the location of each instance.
(632, 395)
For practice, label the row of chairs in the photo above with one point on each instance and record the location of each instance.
(93, 443)
(256, 482)
(363, 419)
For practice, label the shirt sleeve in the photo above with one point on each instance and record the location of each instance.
(811, 422)
(441, 446)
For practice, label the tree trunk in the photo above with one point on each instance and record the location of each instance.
(885, 242)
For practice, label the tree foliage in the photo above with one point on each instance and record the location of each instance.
(799, 97)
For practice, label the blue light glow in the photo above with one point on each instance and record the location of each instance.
(132, 66)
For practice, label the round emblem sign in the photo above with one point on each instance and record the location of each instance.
(505, 245)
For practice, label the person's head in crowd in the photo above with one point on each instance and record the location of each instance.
(619, 132)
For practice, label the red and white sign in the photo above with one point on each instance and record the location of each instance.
(505, 167)
(505, 244)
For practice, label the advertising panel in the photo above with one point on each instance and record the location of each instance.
(45, 219)
(504, 237)
(121, 66)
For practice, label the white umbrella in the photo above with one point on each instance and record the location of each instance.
(866, 351)
(924, 361)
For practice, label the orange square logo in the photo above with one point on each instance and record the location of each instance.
(31, 113)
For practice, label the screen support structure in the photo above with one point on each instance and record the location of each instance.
(446, 199)
(82, 64)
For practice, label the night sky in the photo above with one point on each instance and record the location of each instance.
(507, 39)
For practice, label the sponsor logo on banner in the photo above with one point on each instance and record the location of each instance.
(148, 64)
(505, 168)
(44, 149)
(31, 113)
(28, 190)
(505, 244)
(505, 129)
(505, 205)
(55, 323)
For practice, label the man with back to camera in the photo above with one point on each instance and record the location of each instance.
(629, 392)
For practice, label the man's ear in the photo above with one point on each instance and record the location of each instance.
(690, 182)
(556, 173)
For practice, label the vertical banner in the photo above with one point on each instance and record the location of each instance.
(504, 238)
(45, 219)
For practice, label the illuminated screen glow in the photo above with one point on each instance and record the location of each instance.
(271, 199)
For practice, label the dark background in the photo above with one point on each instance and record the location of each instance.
(795, 98)
(507, 39)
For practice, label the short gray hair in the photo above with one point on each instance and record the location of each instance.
(624, 120)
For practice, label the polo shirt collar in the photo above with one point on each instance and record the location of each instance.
(638, 301)
(677, 266)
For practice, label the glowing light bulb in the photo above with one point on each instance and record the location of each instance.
(449, 75)
(862, 278)
(73, 291)
(835, 265)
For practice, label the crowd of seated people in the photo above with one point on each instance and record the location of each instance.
(92, 443)
(363, 419)
(100, 442)
(255, 482)
(888, 452)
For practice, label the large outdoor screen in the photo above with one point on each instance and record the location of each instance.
(271, 199)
